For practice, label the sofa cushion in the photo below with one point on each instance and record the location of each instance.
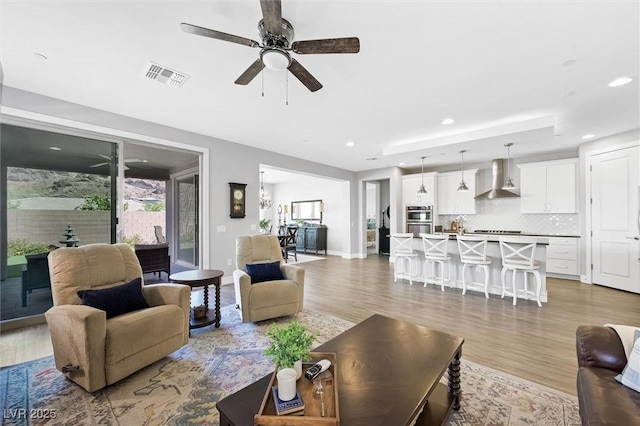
(603, 401)
(630, 376)
(133, 333)
(261, 272)
(116, 300)
(274, 293)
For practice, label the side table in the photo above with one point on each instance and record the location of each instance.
(202, 278)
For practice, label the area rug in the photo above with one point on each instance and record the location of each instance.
(183, 388)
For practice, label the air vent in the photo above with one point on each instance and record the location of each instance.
(164, 75)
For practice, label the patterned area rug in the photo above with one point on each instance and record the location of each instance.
(183, 388)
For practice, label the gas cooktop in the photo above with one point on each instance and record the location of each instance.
(495, 231)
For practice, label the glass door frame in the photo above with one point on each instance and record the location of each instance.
(194, 174)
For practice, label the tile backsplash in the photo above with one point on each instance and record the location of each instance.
(504, 214)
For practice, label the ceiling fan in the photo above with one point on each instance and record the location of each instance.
(277, 43)
(108, 158)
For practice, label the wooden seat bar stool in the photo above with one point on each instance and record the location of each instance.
(402, 249)
(435, 252)
(518, 254)
(473, 252)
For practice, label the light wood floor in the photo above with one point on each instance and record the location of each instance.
(534, 343)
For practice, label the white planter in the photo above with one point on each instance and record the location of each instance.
(286, 384)
(298, 367)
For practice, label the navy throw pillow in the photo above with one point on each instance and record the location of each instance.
(260, 272)
(116, 300)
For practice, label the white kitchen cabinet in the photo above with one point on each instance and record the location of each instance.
(410, 186)
(562, 256)
(548, 187)
(452, 201)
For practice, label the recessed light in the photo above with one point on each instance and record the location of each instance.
(401, 163)
(350, 144)
(621, 81)
(588, 136)
(447, 121)
(55, 148)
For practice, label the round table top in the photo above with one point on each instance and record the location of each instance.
(196, 276)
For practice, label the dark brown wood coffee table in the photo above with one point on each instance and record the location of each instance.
(388, 374)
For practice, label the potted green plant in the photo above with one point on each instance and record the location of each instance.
(289, 345)
(264, 225)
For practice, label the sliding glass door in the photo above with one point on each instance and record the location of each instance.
(187, 219)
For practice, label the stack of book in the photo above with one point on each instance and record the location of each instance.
(294, 407)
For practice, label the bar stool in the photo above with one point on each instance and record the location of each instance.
(435, 251)
(402, 249)
(473, 251)
(518, 254)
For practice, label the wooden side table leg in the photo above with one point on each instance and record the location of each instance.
(218, 314)
(455, 388)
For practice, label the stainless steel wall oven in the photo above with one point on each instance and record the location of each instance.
(419, 220)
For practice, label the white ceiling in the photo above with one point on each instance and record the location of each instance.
(534, 73)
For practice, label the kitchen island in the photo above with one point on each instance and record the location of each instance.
(476, 274)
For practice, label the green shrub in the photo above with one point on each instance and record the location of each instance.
(13, 204)
(153, 207)
(22, 247)
(95, 202)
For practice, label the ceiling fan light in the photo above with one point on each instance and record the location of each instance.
(275, 59)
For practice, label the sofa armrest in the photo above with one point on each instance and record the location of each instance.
(171, 294)
(598, 346)
(295, 273)
(242, 287)
(78, 335)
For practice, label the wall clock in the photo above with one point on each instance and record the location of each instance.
(237, 200)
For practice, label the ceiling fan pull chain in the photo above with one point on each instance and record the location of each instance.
(262, 83)
(287, 87)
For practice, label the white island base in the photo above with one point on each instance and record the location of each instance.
(476, 274)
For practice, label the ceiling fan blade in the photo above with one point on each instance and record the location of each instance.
(98, 165)
(250, 73)
(218, 35)
(272, 14)
(304, 76)
(328, 45)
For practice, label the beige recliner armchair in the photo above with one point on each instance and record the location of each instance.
(95, 351)
(271, 298)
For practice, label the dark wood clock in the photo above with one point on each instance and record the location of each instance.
(237, 200)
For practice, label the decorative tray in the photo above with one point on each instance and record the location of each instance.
(313, 402)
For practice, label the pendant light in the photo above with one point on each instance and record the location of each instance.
(422, 189)
(508, 183)
(265, 200)
(463, 186)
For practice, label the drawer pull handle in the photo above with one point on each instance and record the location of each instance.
(562, 267)
(563, 252)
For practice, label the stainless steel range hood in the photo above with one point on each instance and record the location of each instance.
(497, 179)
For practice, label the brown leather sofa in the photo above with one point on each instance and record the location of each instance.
(603, 400)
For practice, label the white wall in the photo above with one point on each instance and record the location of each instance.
(332, 194)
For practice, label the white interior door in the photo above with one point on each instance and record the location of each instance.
(615, 183)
